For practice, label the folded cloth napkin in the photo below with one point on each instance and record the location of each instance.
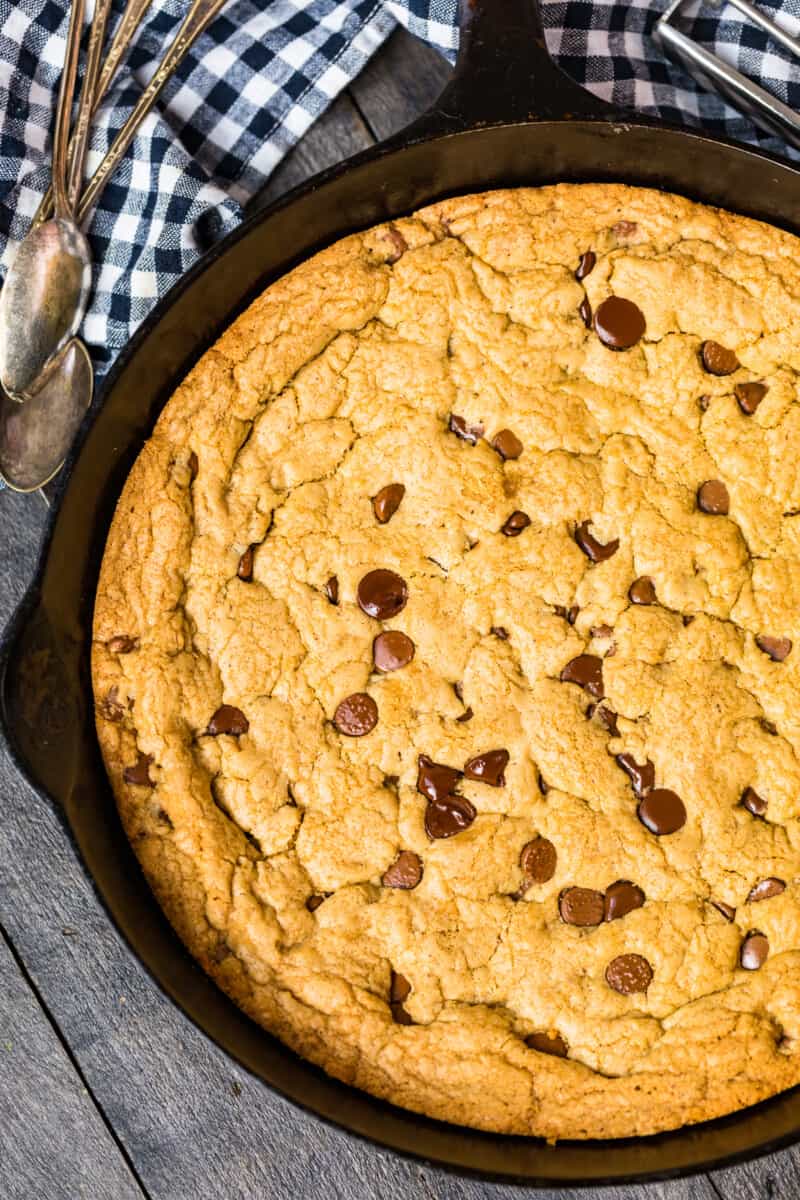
(256, 80)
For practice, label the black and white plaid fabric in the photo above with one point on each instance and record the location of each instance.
(264, 71)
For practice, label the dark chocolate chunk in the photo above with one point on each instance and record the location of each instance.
(139, 773)
(538, 860)
(727, 910)
(642, 591)
(749, 396)
(713, 498)
(621, 898)
(754, 803)
(581, 906)
(386, 503)
(765, 889)
(619, 323)
(585, 312)
(587, 671)
(382, 594)
(245, 567)
(778, 648)
(547, 1043)
(446, 817)
(507, 444)
(594, 550)
(405, 872)
(515, 524)
(228, 719)
(642, 777)
(629, 973)
(313, 902)
(332, 589)
(467, 433)
(754, 950)
(356, 715)
(436, 780)
(662, 812)
(488, 768)
(718, 360)
(194, 466)
(586, 265)
(392, 650)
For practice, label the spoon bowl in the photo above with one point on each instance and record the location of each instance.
(42, 304)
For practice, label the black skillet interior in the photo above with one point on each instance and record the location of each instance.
(509, 117)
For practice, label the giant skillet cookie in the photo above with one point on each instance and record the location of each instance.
(446, 661)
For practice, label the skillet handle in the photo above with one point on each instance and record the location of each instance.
(504, 74)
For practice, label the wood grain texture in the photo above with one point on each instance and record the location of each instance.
(195, 1124)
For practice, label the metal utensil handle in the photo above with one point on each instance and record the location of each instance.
(123, 35)
(66, 93)
(79, 141)
(196, 21)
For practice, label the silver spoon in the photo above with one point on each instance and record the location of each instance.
(67, 410)
(47, 287)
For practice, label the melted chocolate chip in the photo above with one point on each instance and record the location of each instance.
(587, 671)
(581, 906)
(621, 898)
(467, 433)
(332, 590)
(499, 631)
(717, 360)
(765, 889)
(382, 594)
(754, 950)
(399, 245)
(467, 715)
(749, 396)
(547, 1043)
(436, 781)
(399, 991)
(392, 650)
(538, 860)
(629, 973)
(544, 787)
(121, 644)
(662, 812)
(727, 910)
(488, 768)
(569, 615)
(586, 265)
(704, 402)
(778, 648)
(356, 715)
(642, 591)
(228, 719)
(386, 503)
(139, 773)
(606, 716)
(507, 444)
(619, 323)
(245, 567)
(754, 803)
(515, 524)
(110, 707)
(642, 777)
(313, 902)
(405, 872)
(446, 817)
(194, 466)
(713, 498)
(585, 312)
(594, 550)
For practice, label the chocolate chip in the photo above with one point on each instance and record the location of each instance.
(621, 898)
(332, 590)
(642, 591)
(399, 245)
(467, 433)
(625, 230)
(585, 312)
(587, 671)
(500, 631)
(662, 812)
(619, 323)
(778, 648)
(356, 715)
(717, 360)
(567, 614)
(399, 990)
(405, 872)
(194, 466)
(544, 788)
(488, 768)
(606, 716)
(687, 619)
(400, 1016)
(245, 567)
(436, 780)
(467, 715)
(581, 906)
(594, 550)
(642, 777)
(750, 396)
(547, 1043)
(754, 803)
(110, 707)
(713, 498)
(228, 719)
(765, 889)
(586, 265)
(382, 594)
(392, 650)
(754, 950)
(727, 910)
(313, 902)
(538, 860)
(139, 773)
(704, 403)
(449, 816)
(386, 503)
(515, 524)
(768, 726)
(122, 644)
(629, 973)
(507, 444)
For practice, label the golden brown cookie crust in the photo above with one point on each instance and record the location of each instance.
(339, 381)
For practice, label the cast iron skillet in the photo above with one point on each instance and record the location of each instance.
(508, 117)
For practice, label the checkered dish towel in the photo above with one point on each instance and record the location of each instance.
(256, 80)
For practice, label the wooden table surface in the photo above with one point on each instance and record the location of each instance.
(108, 1092)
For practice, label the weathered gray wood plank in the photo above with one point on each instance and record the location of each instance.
(53, 1142)
(776, 1177)
(399, 84)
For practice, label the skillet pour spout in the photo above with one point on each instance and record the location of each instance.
(508, 118)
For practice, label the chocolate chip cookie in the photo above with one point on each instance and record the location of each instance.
(447, 654)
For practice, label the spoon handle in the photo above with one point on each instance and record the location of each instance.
(79, 141)
(123, 36)
(66, 93)
(200, 15)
